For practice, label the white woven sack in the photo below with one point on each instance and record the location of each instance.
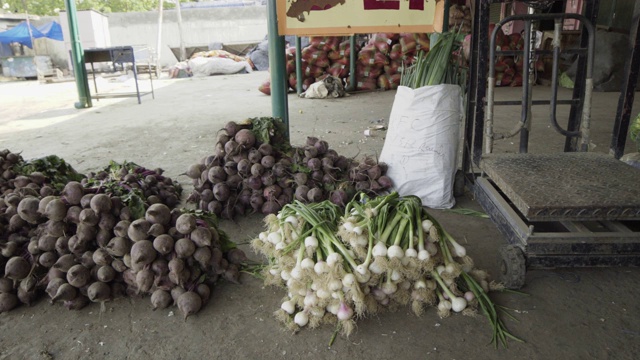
(422, 142)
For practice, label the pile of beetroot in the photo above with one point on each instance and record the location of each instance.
(111, 234)
(78, 239)
(248, 174)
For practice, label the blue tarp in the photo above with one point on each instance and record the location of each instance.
(20, 33)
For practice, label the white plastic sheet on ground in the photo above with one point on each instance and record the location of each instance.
(422, 142)
(206, 66)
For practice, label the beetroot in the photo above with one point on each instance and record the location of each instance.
(28, 209)
(268, 161)
(139, 230)
(231, 128)
(106, 273)
(315, 195)
(216, 174)
(245, 138)
(65, 262)
(234, 182)
(100, 203)
(56, 210)
(194, 171)
(221, 192)
(270, 207)
(65, 292)
(142, 253)
(186, 223)
(237, 256)
(385, 182)
(47, 259)
(73, 192)
(203, 256)
(144, 280)
(272, 192)
(257, 169)
(215, 207)
(184, 248)
(256, 201)
(17, 268)
(321, 146)
(8, 302)
(99, 292)
(189, 303)
(244, 167)
(254, 182)
(265, 149)
(254, 156)
(268, 178)
(158, 214)
(160, 299)
(101, 257)
(78, 276)
(301, 193)
(201, 236)
(231, 147)
(163, 244)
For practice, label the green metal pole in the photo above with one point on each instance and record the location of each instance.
(279, 105)
(445, 15)
(77, 57)
(298, 65)
(352, 63)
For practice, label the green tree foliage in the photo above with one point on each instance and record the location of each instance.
(51, 7)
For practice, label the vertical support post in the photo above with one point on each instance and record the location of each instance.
(352, 63)
(298, 65)
(183, 52)
(77, 57)
(159, 40)
(527, 82)
(591, 9)
(481, 77)
(472, 85)
(279, 105)
(26, 13)
(627, 93)
(445, 16)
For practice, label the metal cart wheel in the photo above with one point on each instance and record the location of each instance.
(512, 266)
(458, 184)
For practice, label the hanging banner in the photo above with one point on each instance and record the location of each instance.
(345, 17)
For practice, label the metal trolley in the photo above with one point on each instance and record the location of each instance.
(574, 208)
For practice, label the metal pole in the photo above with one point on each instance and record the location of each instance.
(26, 12)
(352, 63)
(183, 51)
(445, 16)
(298, 65)
(159, 42)
(77, 57)
(279, 105)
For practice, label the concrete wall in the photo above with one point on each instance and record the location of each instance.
(140, 29)
(200, 27)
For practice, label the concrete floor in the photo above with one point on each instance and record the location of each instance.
(568, 313)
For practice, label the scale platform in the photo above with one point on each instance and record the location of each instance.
(561, 210)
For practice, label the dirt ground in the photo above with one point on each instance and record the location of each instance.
(567, 314)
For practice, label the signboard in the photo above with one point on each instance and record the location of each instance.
(345, 17)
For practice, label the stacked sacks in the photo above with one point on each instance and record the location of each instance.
(379, 63)
(509, 69)
(460, 18)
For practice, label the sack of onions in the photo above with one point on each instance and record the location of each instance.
(265, 87)
(408, 43)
